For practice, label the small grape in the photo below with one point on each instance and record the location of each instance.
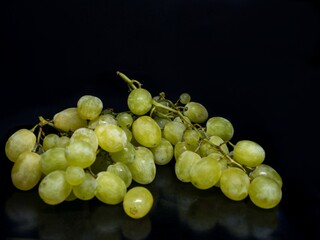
(196, 112)
(86, 190)
(139, 101)
(89, 107)
(124, 119)
(185, 98)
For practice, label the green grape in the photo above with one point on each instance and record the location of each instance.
(86, 190)
(161, 121)
(128, 133)
(63, 141)
(219, 126)
(50, 141)
(191, 137)
(180, 147)
(212, 146)
(89, 107)
(234, 183)
(20, 141)
(196, 112)
(68, 120)
(268, 171)
(26, 171)
(125, 155)
(106, 118)
(264, 192)
(80, 153)
(139, 101)
(53, 159)
(173, 131)
(122, 170)
(184, 164)
(185, 98)
(54, 188)
(146, 131)
(111, 189)
(163, 153)
(124, 119)
(248, 153)
(205, 173)
(87, 135)
(143, 167)
(75, 175)
(138, 202)
(111, 138)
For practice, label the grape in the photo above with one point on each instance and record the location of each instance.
(138, 202)
(122, 170)
(205, 173)
(180, 147)
(111, 138)
(143, 167)
(102, 119)
(191, 137)
(184, 164)
(234, 183)
(248, 153)
(63, 141)
(173, 131)
(212, 146)
(68, 120)
(161, 121)
(26, 171)
(111, 189)
(264, 192)
(54, 188)
(53, 159)
(20, 141)
(124, 119)
(86, 190)
(146, 131)
(185, 98)
(80, 153)
(126, 155)
(219, 126)
(89, 107)
(139, 101)
(163, 153)
(50, 141)
(75, 175)
(87, 135)
(266, 170)
(196, 112)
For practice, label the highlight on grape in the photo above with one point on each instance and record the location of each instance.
(93, 152)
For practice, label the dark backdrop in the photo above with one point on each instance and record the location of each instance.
(253, 62)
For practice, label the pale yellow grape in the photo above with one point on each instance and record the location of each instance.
(102, 119)
(86, 190)
(125, 155)
(146, 131)
(205, 173)
(248, 153)
(143, 167)
(20, 141)
(191, 137)
(163, 153)
(122, 170)
(111, 189)
(80, 153)
(196, 112)
(138, 202)
(75, 175)
(54, 188)
(124, 119)
(53, 159)
(26, 171)
(89, 107)
(184, 164)
(139, 101)
(63, 141)
(68, 120)
(173, 131)
(50, 141)
(87, 135)
(268, 171)
(234, 183)
(264, 192)
(111, 138)
(219, 126)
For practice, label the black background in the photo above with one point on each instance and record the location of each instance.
(253, 62)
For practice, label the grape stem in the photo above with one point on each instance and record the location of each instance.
(131, 83)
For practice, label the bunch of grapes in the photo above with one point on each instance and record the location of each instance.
(94, 152)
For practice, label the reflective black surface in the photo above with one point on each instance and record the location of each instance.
(256, 63)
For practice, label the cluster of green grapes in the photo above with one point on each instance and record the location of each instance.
(96, 153)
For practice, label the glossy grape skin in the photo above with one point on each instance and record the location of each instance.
(124, 119)
(89, 107)
(268, 171)
(26, 171)
(86, 190)
(219, 126)
(87, 135)
(80, 153)
(163, 153)
(20, 141)
(53, 159)
(138, 202)
(68, 120)
(234, 183)
(173, 131)
(196, 112)
(123, 171)
(146, 131)
(248, 153)
(184, 164)
(139, 101)
(75, 175)
(264, 192)
(126, 155)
